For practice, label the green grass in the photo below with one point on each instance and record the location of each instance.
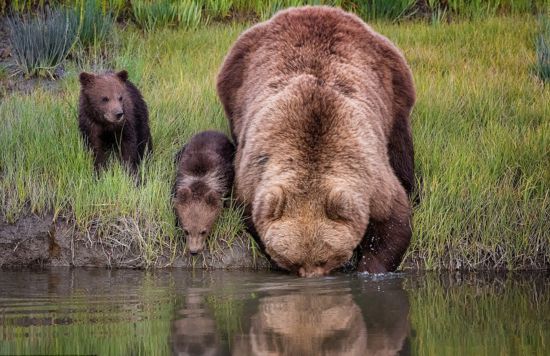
(481, 134)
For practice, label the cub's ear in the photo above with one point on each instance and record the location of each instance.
(340, 205)
(183, 195)
(123, 75)
(86, 78)
(269, 205)
(212, 199)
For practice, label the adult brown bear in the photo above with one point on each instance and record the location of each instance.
(319, 105)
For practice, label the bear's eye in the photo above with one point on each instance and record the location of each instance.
(120, 98)
(105, 99)
(185, 232)
(203, 232)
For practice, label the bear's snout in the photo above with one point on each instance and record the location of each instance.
(316, 271)
(195, 244)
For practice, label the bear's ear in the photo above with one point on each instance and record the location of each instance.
(86, 78)
(212, 199)
(123, 75)
(270, 205)
(183, 195)
(340, 205)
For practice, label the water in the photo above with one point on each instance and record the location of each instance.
(125, 312)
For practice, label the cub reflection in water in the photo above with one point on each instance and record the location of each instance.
(306, 323)
(194, 330)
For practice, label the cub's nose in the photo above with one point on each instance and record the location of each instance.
(194, 253)
(119, 115)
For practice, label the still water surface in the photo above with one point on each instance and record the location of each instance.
(125, 312)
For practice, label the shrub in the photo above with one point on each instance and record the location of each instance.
(41, 43)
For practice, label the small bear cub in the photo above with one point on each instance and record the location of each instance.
(113, 116)
(204, 177)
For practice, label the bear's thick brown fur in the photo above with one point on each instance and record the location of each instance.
(204, 177)
(113, 115)
(319, 105)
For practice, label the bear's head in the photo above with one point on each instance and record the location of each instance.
(310, 233)
(196, 212)
(107, 95)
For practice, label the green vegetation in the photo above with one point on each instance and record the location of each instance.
(150, 15)
(162, 12)
(480, 125)
(481, 134)
(96, 23)
(44, 167)
(41, 43)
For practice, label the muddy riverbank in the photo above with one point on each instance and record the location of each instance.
(35, 241)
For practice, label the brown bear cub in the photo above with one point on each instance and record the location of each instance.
(204, 176)
(113, 115)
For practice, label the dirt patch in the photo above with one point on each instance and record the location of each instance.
(35, 241)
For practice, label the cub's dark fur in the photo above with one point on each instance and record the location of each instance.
(204, 177)
(113, 116)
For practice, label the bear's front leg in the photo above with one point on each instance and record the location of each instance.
(129, 153)
(386, 241)
(100, 154)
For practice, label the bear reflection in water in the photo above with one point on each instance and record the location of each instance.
(317, 324)
(305, 324)
(194, 332)
(371, 321)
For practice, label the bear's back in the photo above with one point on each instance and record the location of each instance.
(208, 155)
(337, 48)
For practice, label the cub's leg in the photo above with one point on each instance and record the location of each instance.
(129, 151)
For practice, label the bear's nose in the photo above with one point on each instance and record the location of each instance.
(308, 272)
(194, 253)
(119, 115)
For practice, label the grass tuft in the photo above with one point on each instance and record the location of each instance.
(96, 23)
(151, 15)
(41, 43)
(382, 9)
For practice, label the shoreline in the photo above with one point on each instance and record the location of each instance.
(35, 241)
(40, 242)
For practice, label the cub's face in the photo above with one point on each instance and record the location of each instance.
(309, 234)
(107, 93)
(196, 216)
